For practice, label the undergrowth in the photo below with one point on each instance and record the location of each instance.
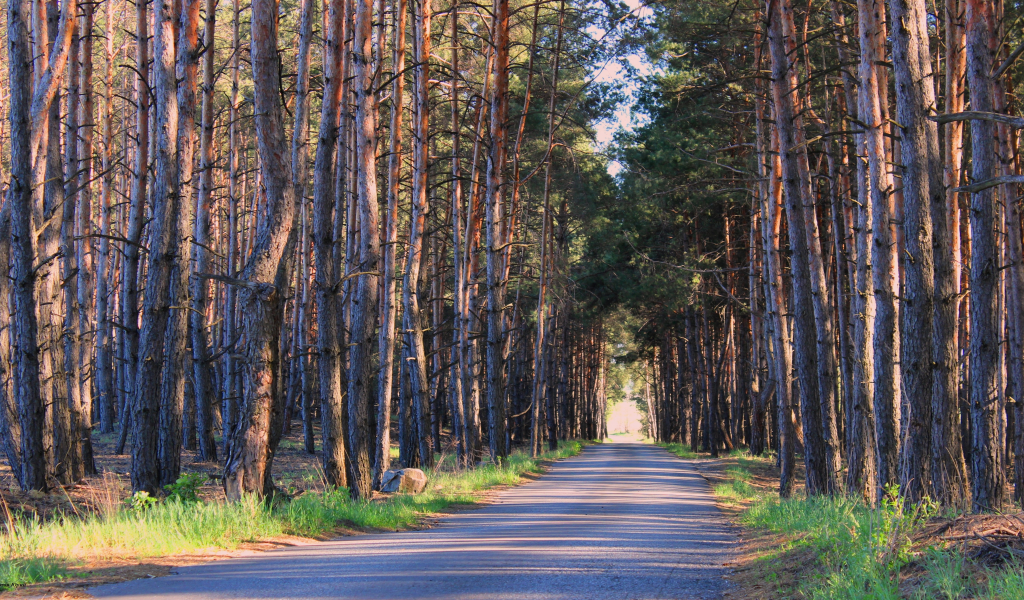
(34, 551)
(862, 551)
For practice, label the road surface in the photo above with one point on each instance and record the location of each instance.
(621, 521)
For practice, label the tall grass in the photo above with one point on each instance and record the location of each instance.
(861, 551)
(32, 550)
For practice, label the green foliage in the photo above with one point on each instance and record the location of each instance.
(896, 520)
(139, 502)
(186, 488)
(19, 572)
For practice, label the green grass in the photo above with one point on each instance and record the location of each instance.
(861, 551)
(18, 572)
(680, 450)
(34, 551)
(1008, 583)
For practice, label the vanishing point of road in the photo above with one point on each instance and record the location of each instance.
(621, 521)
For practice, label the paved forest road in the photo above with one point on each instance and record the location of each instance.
(622, 521)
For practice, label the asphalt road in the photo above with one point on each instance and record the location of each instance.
(621, 521)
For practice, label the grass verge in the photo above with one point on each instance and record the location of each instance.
(34, 551)
(837, 548)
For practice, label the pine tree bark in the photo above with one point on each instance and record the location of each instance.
(949, 473)
(389, 308)
(153, 347)
(173, 376)
(326, 253)
(136, 217)
(987, 470)
(415, 353)
(364, 303)
(202, 367)
(259, 300)
(25, 351)
(104, 268)
(922, 192)
(495, 212)
(797, 194)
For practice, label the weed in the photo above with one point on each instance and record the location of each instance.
(186, 488)
(139, 502)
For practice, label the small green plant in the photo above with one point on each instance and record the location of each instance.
(891, 526)
(139, 502)
(186, 488)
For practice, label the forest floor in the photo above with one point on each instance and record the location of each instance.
(836, 549)
(57, 544)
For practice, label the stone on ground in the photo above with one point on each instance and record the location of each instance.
(406, 481)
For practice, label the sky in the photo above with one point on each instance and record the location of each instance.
(624, 118)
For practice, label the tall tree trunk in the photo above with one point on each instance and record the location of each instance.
(153, 347)
(231, 388)
(922, 192)
(25, 353)
(797, 194)
(136, 217)
(364, 304)
(949, 473)
(326, 253)
(878, 193)
(259, 299)
(389, 308)
(415, 353)
(84, 260)
(495, 211)
(173, 384)
(202, 367)
(987, 473)
(104, 269)
(459, 368)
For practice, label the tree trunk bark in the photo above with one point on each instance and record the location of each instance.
(495, 234)
(415, 353)
(922, 191)
(202, 366)
(364, 305)
(326, 254)
(797, 194)
(389, 309)
(987, 472)
(153, 347)
(252, 445)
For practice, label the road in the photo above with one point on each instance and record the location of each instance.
(621, 521)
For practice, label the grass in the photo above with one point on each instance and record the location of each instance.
(860, 552)
(34, 551)
(680, 450)
(16, 573)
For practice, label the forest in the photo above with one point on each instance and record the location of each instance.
(823, 219)
(220, 219)
(393, 219)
